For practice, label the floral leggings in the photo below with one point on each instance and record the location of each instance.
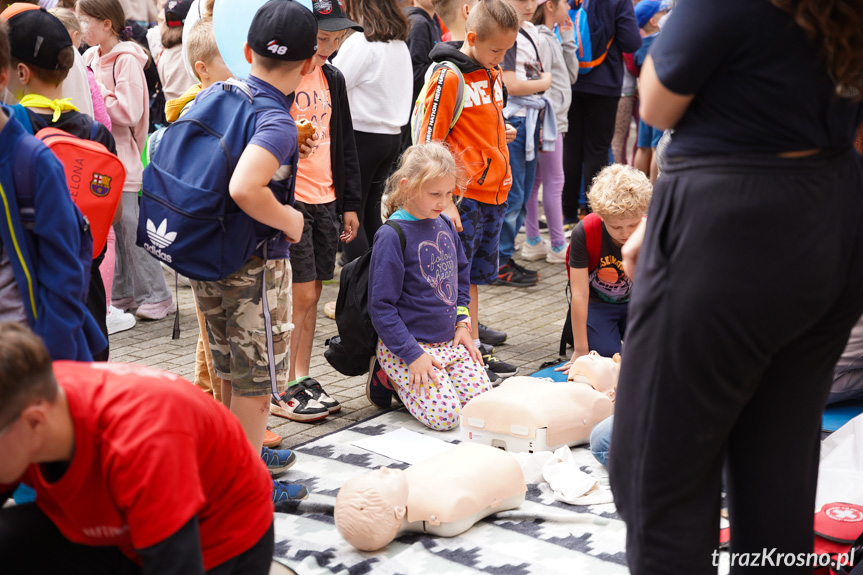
(461, 379)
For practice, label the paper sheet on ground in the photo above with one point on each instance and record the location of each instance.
(403, 445)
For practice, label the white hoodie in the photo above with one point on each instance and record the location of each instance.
(120, 75)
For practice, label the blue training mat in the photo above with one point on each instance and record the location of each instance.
(835, 416)
(838, 414)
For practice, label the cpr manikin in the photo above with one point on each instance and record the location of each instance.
(599, 372)
(443, 495)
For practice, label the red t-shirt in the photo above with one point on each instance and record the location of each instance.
(151, 452)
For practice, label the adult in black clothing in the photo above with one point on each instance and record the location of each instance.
(738, 315)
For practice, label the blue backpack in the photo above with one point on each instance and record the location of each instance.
(188, 219)
(592, 40)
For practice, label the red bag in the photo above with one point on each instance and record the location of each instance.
(837, 527)
(95, 178)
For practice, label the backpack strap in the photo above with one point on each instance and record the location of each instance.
(524, 33)
(459, 107)
(399, 231)
(21, 114)
(593, 236)
(22, 180)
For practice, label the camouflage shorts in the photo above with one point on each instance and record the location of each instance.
(235, 325)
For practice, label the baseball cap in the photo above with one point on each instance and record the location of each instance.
(647, 9)
(284, 30)
(176, 12)
(330, 15)
(37, 37)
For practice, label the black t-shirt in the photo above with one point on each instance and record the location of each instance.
(608, 282)
(77, 124)
(758, 82)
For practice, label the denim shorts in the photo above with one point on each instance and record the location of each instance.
(480, 235)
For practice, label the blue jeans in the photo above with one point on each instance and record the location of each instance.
(606, 324)
(600, 439)
(523, 173)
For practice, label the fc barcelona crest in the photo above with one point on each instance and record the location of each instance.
(100, 185)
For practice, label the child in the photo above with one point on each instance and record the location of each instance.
(492, 27)
(169, 60)
(42, 280)
(76, 85)
(38, 84)
(418, 296)
(647, 14)
(524, 79)
(561, 61)
(262, 187)
(619, 195)
(454, 14)
(328, 185)
(119, 69)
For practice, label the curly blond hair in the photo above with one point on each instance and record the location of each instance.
(418, 165)
(620, 191)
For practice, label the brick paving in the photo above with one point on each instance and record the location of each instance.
(532, 317)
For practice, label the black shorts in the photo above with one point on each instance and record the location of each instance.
(314, 256)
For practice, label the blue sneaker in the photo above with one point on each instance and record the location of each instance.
(278, 460)
(288, 492)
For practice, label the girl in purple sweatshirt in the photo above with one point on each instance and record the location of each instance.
(418, 296)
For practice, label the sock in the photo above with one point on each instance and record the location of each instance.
(559, 248)
(477, 343)
(533, 241)
(293, 383)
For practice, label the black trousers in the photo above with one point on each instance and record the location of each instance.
(30, 544)
(586, 145)
(738, 314)
(376, 154)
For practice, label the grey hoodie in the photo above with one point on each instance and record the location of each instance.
(561, 61)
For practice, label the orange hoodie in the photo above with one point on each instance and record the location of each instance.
(478, 139)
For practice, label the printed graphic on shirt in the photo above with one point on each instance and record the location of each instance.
(438, 266)
(313, 104)
(609, 282)
(477, 93)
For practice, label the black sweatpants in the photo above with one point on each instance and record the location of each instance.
(738, 314)
(31, 544)
(586, 145)
(376, 154)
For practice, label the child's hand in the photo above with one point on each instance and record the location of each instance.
(451, 212)
(295, 223)
(463, 337)
(511, 133)
(309, 147)
(422, 375)
(352, 224)
(566, 29)
(575, 355)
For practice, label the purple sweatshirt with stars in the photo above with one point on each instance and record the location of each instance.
(414, 296)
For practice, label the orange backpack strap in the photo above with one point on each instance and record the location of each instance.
(597, 61)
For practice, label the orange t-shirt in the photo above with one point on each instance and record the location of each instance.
(315, 174)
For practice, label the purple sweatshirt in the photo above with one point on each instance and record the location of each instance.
(413, 296)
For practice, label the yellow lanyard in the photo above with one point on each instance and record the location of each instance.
(39, 101)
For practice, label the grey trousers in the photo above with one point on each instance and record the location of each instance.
(136, 273)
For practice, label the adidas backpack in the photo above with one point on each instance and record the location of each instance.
(436, 87)
(349, 352)
(591, 35)
(188, 219)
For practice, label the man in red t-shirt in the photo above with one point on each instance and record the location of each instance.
(135, 471)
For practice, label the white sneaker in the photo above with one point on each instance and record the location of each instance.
(117, 320)
(535, 252)
(556, 257)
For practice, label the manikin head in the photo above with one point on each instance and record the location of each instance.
(370, 508)
(599, 372)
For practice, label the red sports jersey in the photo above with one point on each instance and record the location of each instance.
(152, 451)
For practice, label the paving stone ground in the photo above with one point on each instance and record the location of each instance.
(532, 317)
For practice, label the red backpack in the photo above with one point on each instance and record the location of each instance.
(593, 236)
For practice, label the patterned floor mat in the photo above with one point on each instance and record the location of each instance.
(542, 536)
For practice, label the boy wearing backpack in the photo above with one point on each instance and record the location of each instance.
(37, 82)
(619, 197)
(281, 47)
(45, 250)
(478, 136)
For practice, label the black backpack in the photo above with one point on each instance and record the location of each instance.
(349, 352)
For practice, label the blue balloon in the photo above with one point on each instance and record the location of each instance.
(231, 22)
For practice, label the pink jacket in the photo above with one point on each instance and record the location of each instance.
(120, 75)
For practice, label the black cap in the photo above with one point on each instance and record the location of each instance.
(331, 17)
(176, 12)
(284, 30)
(37, 37)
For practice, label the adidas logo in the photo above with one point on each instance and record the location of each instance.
(161, 239)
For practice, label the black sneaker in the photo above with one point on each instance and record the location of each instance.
(509, 275)
(501, 368)
(297, 404)
(378, 388)
(493, 378)
(318, 394)
(522, 269)
(491, 336)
